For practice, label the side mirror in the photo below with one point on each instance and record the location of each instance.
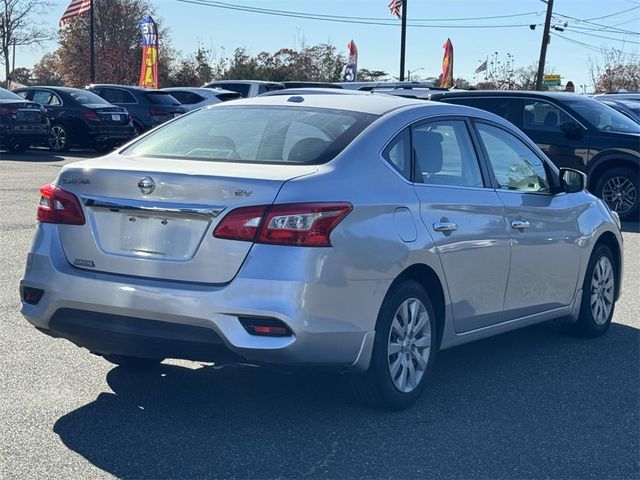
(572, 181)
(571, 130)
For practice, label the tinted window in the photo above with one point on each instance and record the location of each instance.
(23, 94)
(88, 98)
(241, 88)
(543, 116)
(603, 117)
(398, 153)
(186, 98)
(508, 108)
(255, 134)
(444, 154)
(117, 95)
(161, 98)
(514, 164)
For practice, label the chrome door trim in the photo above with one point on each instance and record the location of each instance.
(445, 227)
(520, 224)
(153, 207)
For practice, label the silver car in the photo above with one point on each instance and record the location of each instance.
(363, 233)
(193, 98)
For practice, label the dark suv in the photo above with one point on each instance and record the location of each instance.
(148, 108)
(80, 118)
(576, 132)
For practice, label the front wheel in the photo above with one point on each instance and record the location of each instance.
(598, 294)
(619, 188)
(404, 349)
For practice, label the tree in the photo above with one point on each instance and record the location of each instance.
(366, 75)
(615, 70)
(117, 44)
(21, 75)
(19, 28)
(47, 70)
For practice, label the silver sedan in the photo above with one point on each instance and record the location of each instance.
(362, 233)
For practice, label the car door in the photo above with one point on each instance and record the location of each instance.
(543, 122)
(545, 251)
(465, 219)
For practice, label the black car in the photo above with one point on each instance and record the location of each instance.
(576, 132)
(630, 108)
(148, 108)
(22, 123)
(80, 118)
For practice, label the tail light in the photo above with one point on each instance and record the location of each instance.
(158, 111)
(298, 224)
(91, 115)
(59, 206)
(265, 326)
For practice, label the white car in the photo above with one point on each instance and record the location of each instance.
(195, 97)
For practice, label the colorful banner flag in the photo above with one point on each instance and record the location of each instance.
(447, 65)
(75, 9)
(149, 67)
(395, 7)
(351, 70)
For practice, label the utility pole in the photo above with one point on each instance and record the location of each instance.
(403, 38)
(543, 48)
(92, 46)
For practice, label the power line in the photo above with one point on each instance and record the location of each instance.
(611, 14)
(601, 36)
(612, 29)
(588, 46)
(357, 20)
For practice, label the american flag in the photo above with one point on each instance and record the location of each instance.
(395, 6)
(75, 8)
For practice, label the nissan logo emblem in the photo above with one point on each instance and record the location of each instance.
(146, 185)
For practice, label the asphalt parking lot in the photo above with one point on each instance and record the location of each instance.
(535, 403)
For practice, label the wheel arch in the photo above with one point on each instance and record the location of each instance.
(432, 284)
(606, 162)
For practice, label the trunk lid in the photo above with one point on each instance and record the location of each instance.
(164, 232)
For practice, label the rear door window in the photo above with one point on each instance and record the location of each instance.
(44, 97)
(398, 153)
(508, 108)
(117, 95)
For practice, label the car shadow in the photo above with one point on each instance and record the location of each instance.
(533, 403)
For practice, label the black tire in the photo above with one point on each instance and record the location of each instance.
(132, 362)
(376, 387)
(58, 140)
(18, 147)
(587, 324)
(625, 179)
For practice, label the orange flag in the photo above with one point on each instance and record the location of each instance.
(447, 65)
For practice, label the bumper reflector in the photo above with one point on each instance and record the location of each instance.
(31, 295)
(265, 326)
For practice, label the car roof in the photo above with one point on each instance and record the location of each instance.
(247, 82)
(126, 87)
(197, 90)
(314, 91)
(560, 96)
(54, 88)
(371, 104)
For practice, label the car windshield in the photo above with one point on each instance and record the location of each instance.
(604, 118)
(88, 98)
(255, 134)
(7, 95)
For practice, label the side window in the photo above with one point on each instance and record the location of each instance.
(514, 164)
(543, 116)
(182, 97)
(398, 153)
(42, 97)
(55, 100)
(444, 155)
(23, 93)
(508, 108)
(116, 95)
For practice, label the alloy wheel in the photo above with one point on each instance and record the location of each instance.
(602, 291)
(620, 194)
(409, 345)
(57, 138)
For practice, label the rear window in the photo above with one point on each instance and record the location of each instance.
(7, 95)
(241, 88)
(161, 98)
(88, 98)
(255, 134)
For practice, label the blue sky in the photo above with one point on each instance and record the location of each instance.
(378, 45)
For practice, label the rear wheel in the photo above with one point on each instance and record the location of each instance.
(404, 349)
(58, 138)
(132, 362)
(620, 190)
(598, 294)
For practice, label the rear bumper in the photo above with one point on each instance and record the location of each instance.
(23, 133)
(116, 132)
(332, 323)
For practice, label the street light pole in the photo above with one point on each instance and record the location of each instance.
(403, 38)
(543, 48)
(92, 45)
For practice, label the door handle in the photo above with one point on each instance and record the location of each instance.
(445, 227)
(520, 224)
